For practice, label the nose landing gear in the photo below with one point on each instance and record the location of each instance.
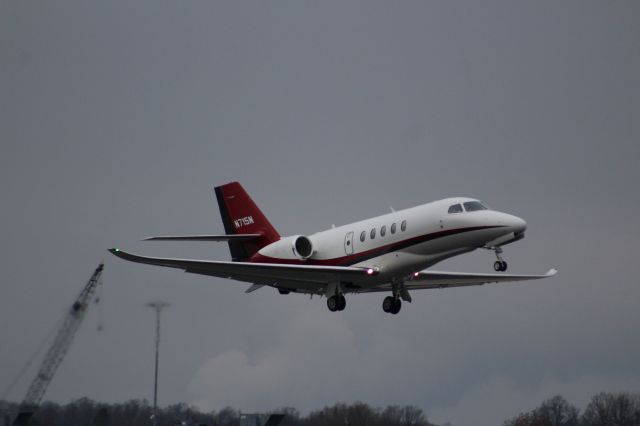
(499, 265)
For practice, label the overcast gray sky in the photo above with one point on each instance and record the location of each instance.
(118, 118)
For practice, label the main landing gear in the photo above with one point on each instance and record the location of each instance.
(391, 305)
(336, 302)
(499, 265)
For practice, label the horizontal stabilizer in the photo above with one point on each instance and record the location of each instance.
(234, 237)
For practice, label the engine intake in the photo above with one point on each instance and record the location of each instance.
(302, 247)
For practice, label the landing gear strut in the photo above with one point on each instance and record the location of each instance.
(499, 265)
(336, 302)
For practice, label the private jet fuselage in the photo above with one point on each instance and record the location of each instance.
(403, 242)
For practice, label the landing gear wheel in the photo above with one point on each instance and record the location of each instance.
(397, 304)
(336, 303)
(333, 303)
(387, 304)
(500, 266)
(391, 305)
(342, 302)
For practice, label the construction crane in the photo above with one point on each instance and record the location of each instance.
(57, 350)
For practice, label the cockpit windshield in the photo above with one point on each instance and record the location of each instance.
(456, 208)
(472, 206)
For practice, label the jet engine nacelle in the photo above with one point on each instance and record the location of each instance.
(292, 247)
(302, 247)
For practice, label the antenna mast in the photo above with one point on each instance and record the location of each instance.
(158, 306)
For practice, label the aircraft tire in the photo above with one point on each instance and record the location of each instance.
(387, 304)
(333, 303)
(397, 304)
(342, 302)
(500, 266)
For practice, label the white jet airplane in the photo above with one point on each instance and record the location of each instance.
(387, 253)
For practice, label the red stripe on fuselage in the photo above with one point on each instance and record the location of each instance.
(369, 254)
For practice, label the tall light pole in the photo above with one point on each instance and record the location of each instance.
(158, 306)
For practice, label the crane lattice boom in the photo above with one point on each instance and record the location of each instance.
(58, 349)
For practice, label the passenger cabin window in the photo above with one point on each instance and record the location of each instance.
(363, 235)
(393, 228)
(373, 233)
(456, 208)
(383, 230)
(472, 206)
(403, 225)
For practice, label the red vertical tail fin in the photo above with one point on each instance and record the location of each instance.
(240, 215)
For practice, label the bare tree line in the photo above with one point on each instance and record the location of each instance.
(604, 409)
(85, 412)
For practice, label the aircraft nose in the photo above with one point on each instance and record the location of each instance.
(518, 224)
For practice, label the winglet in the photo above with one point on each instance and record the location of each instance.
(123, 255)
(551, 272)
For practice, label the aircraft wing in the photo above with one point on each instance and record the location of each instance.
(257, 273)
(439, 279)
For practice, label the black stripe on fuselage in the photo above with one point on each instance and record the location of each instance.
(379, 251)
